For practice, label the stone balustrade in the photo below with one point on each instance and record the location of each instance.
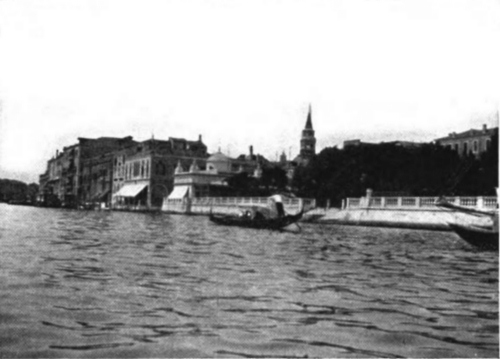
(427, 203)
(203, 205)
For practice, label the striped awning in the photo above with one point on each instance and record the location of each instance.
(179, 192)
(130, 190)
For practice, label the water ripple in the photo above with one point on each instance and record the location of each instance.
(141, 285)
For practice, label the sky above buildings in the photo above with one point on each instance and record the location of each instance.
(242, 73)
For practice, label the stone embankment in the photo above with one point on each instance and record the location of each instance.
(230, 205)
(399, 212)
(405, 212)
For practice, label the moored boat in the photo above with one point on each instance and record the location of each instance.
(256, 221)
(480, 237)
(479, 234)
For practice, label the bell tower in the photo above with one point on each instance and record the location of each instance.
(308, 141)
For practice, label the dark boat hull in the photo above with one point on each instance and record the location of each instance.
(261, 223)
(476, 236)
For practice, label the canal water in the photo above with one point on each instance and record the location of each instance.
(115, 284)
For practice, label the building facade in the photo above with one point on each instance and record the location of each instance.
(472, 142)
(50, 191)
(80, 173)
(143, 174)
(211, 181)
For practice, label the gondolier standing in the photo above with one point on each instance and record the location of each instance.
(277, 201)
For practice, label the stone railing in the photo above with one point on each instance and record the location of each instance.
(427, 203)
(206, 204)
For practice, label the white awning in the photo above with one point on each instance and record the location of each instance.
(130, 190)
(179, 192)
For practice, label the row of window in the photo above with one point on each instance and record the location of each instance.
(137, 169)
(467, 147)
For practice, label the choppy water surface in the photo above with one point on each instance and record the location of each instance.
(108, 284)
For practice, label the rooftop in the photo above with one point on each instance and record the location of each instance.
(470, 133)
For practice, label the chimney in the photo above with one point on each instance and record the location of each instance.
(199, 138)
(485, 128)
(251, 152)
(57, 153)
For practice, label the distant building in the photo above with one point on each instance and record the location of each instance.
(212, 180)
(116, 171)
(74, 175)
(356, 143)
(307, 142)
(144, 173)
(50, 191)
(359, 143)
(406, 144)
(96, 168)
(307, 150)
(471, 142)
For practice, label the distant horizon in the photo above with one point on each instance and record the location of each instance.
(33, 178)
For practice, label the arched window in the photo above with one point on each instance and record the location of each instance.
(160, 169)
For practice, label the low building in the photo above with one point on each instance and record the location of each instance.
(212, 181)
(357, 143)
(405, 144)
(472, 142)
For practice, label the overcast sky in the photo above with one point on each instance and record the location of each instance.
(242, 73)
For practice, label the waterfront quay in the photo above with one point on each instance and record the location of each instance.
(231, 205)
(406, 212)
(178, 175)
(124, 174)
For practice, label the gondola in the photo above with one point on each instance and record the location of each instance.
(257, 221)
(477, 236)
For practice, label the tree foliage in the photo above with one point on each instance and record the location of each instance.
(12, 190)
(273, 180)
(427, 170)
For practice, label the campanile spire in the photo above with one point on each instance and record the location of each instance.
(308, 141)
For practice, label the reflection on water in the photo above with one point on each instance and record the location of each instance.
(108, 284)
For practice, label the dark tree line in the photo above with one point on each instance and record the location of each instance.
(428, 170)
(12, 190)
(273, 180)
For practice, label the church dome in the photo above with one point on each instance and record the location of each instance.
(218, 157)
(219, 162)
